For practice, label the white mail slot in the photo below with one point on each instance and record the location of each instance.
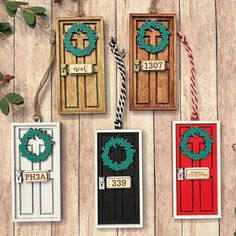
(80, 69)
(118, 182)
(148, 65)
(35, 176)
(197, 173)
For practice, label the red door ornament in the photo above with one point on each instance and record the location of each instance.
(196, 160)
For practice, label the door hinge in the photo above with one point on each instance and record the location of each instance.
(180, 173)
(101, 183)
(19, 178)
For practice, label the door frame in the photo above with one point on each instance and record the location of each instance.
(174, 123)
(140, 225)
(58, 176)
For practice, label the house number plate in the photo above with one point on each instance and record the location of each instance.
(80, 69)
(118, 182)
(35, 176)
(152, 65)
(197, 173)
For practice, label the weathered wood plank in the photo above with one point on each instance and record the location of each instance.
(69, 148)
(31, 45)
(226, 52)
(7, 66)
(135, 120)
(89, 123)
(202, 38)
(163, 154)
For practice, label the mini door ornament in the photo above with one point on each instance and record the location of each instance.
(36, 172)
(80, 48)
(118, 158)
(118, 180)
(152, 61)
(196, 160)
(36, 163)
(196, 169)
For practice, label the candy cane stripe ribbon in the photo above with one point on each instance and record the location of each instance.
(194, 95)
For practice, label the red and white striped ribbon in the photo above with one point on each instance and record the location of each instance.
(194, 96)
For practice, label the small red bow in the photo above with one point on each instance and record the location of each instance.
(8, 78)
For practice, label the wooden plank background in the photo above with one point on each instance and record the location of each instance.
(210, 27)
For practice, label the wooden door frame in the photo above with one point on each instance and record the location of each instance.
(57, 153)
(174, 123)
(140, 225)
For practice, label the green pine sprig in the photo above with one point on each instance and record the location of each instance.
(31, 14)
(9, 100)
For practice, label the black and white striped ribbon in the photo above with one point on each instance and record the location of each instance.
(121, 67)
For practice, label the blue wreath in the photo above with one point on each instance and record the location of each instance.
(85, 29)
(32, 134)
(114, 165)
(149, 25)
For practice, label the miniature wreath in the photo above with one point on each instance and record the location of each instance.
(114, 142)
(92, 38)
(191, 132)
(32, 134)
(149, 25)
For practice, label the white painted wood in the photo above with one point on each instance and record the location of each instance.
(174, 123)
(38, 201)
(111, 226)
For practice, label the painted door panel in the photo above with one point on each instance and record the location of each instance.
(119, 208)
(152, 90)
(36, 201)
(196, 198)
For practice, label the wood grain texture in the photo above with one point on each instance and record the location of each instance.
(81, 94)
(226, 109)
(214, 52)
(202, 38)
(153, 90)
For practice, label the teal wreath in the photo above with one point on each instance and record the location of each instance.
(149, 25)
(92, 38)
(32, 134)
(191, 132)
(114, 142)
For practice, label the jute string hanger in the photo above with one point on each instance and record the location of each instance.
(79, 12)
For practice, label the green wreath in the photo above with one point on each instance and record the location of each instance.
(92, 38)
(149, 25)
(191, 132)
(114, 142)
(32, 134)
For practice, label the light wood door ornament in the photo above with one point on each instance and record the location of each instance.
(118, 168)
(80, 50)
(36, 164)
(196, 161)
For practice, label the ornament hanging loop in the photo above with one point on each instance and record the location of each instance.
(80, 11)
(193, 85)
(37, 114)
(119, 56)
(152, 8)
(234, 147)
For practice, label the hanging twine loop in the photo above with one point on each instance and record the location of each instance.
(119, 56)
(80, 11)
(2, 36)
(152, 8)
(37, 114)
(194, 94)
(234, 147)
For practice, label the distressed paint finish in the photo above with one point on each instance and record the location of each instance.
(215, 78)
